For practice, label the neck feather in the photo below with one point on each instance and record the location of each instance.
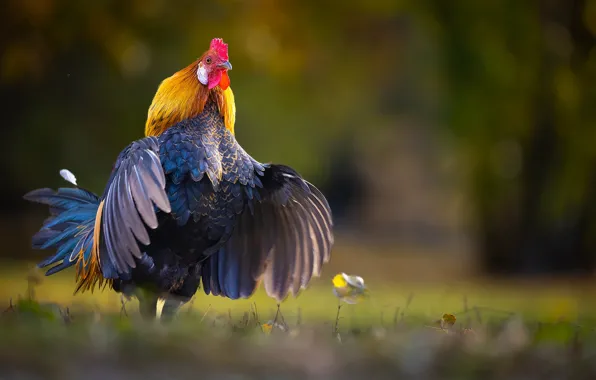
(181, 97)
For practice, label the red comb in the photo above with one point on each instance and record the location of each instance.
(220, 47)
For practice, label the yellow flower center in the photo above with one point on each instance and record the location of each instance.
(339, 281)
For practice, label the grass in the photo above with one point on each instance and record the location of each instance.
(503, 330)
(537, 299)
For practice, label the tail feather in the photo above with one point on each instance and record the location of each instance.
(62, 236)
(63, 250)
(42, 236)
(70, 230)
(75, 216)
(64, 198)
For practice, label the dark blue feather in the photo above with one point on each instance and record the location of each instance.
(42, 236)
(71, 227)
(221, 269)
(64, 198)
(65, 264)
(214, 278)
(232, 274)
(64, 250)
(75, 216)
(67, 233)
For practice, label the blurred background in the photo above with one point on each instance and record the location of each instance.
(452, 139)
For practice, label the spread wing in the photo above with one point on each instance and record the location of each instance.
(137, 184)
(283, 236)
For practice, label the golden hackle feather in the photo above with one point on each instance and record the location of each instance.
(181, 97)
(229, 108)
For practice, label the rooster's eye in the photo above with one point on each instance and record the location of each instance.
(208, 60)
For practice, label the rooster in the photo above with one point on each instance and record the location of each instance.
(186, 205)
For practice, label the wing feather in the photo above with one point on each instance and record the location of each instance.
(283, 236)
(137, 183)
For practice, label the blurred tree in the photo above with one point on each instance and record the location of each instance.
(525, 117)
(345, 186)
(77, 78)
(511, 83)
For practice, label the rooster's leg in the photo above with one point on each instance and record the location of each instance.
(174, 301)
(171, 306)
(147, 303)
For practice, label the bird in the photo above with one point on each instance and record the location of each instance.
(187, 207)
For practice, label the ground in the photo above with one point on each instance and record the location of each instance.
(537, 329)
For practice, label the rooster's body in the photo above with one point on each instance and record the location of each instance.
(216, 216)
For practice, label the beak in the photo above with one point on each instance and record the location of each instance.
(226, 65)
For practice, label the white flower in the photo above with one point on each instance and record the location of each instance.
(350, 289)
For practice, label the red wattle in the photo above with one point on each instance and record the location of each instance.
(224, 83)
(214, 79)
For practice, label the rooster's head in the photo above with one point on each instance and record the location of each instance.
(214, 65)
(184, 94)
